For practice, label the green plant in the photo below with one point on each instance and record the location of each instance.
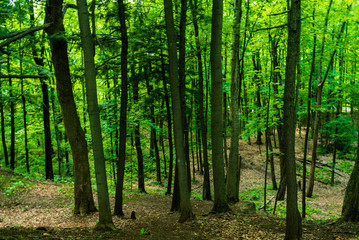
(144, 231)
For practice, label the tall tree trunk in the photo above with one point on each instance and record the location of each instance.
(185, 202)
(154, 145)
(12, 119)
(206, 194)
(257, 69)
(350, 210)
(123, 111)
(48, 145)
(232, 179)
(38, 59)
(141, 176)
(25, 127)
(308, 121)
(84, 202)
(3, 137)
(220, 196)
(105, 217)
(182, 83)
(293, 218)
(57, 132)
(169, 127)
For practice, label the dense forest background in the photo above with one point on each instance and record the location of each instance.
(152, 92)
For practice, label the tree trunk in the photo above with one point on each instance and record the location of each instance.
(232, 180)
(169, 128)
(308, 122)
(141, 176)
(185, 202)
(25, 127)
(105, 217)
(220, 196)
(84, 202)
(206, 194)
(123, 112)
(350, 210)
(12, 120)
(48, 145)
(293, 218)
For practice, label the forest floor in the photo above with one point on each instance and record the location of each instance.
(36, 209)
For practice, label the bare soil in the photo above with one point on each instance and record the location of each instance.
(42, 210)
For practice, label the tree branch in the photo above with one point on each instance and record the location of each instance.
(269, 28)
(66, 6)
(22, 76)
(16, 36)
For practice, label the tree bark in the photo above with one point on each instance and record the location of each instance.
(206, 193)
(185, 202)
(293, 218)
(105, 217)
(220, 196)
(84, 202)
(232, 179)
(350, 210)
(123, 111)
(141, 177)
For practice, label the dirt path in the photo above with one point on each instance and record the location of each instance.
(43, 211)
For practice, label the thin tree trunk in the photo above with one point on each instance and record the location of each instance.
(12, 120)
(185, 202)
(169, 127)
(206, 194)
(57, 131)
(304, 178)
(140, 174)
(123, 112)
(3, 137)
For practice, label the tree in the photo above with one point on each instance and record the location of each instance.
(105, 217)
(350, 210)
(293, 218)
(84, 202)
(233, 165)
(185, 202)
(123, 111)
(206, 193)
(220, 197)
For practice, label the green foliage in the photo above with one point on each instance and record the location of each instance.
(341, 131)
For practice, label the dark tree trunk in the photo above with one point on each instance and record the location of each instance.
(3, 138)
(185, 202)
(293, 218)
(182, 84)
(84, 202)
(25, 127)
(57, 132)
(304, 178)
(220, 196)
(12, 121)
(169, 128)
(232, 176)
(206, 194)
(141, 176)
(48, 145)
(38, 59)
(123, 112)
(350, 210)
